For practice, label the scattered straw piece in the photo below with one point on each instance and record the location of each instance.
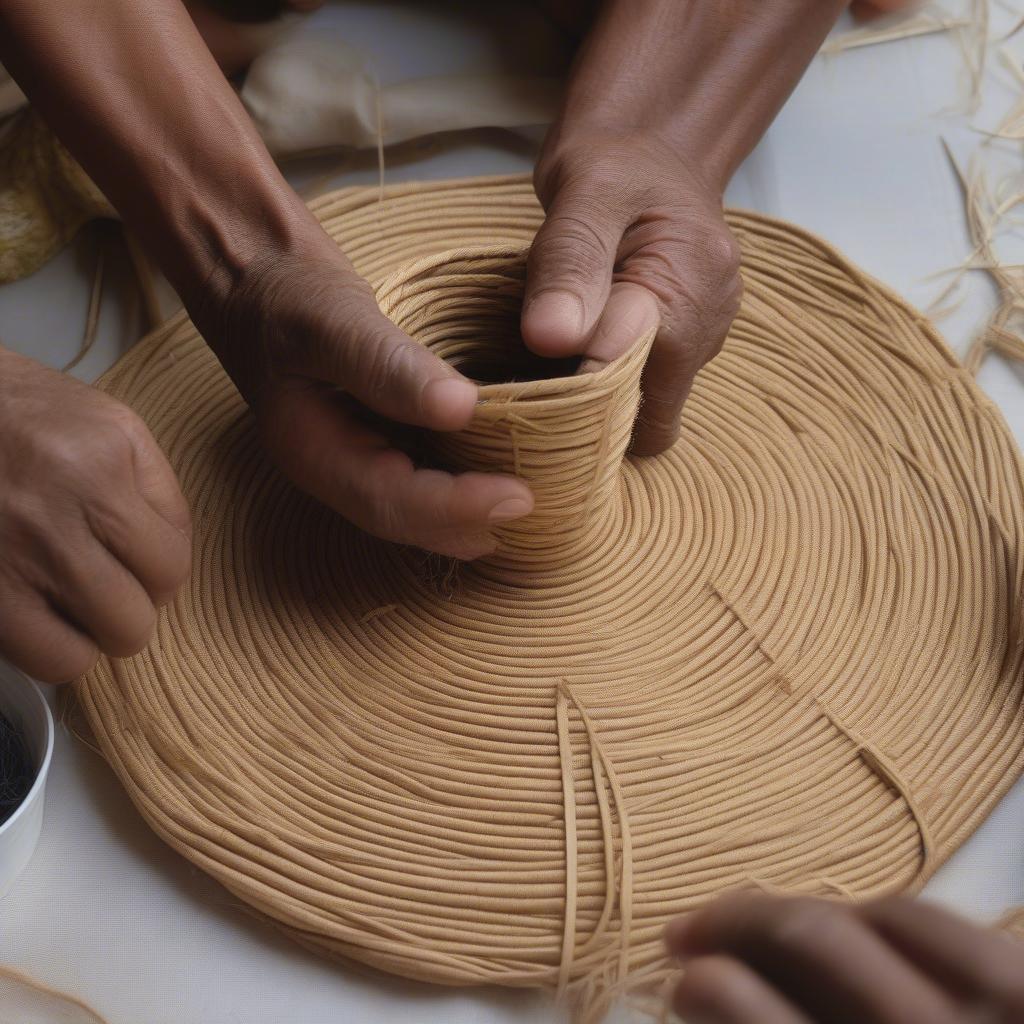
(888, 30)
(92, 316)
(35, 1001)
(986, 214)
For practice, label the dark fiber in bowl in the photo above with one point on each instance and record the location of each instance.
(17, 772)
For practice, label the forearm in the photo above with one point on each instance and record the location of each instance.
(705, 77)
(133, 92)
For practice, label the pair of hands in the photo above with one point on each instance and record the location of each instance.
(94, 532)
(612, 258)
(753, 959)
(659, 110)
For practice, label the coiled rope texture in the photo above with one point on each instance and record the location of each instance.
(786, 653)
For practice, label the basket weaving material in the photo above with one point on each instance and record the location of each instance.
(787, 653)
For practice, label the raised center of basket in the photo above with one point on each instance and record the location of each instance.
(563, 432)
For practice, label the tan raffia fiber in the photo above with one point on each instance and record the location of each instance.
(1012, 922)
(25, 1000)
(789, 652)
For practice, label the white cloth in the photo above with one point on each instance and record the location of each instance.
(318, 87)
(315, 88)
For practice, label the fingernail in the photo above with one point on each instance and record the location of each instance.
(510, 508)
(450, 400)
(557, 317)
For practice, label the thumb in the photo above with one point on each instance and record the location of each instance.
(569, 272)
(381, 366)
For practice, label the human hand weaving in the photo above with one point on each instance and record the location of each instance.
(521, 766)
(631, 175)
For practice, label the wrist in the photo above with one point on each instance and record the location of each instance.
(703, 79)
(218, 230)
(585, 150)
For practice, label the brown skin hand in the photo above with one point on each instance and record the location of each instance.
(665, 101)
(753, 959)
(94, 532)
(292, 323)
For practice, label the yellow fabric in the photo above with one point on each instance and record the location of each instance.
(45, 197)
(786, 653)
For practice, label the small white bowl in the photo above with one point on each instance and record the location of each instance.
(23, 704)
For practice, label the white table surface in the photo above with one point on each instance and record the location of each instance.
(108, 913)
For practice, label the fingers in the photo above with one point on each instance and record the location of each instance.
(358, 349)
(44, 645)
(93, 526)
(155, 480)
(601, 247)
(720, 990)
(694, 274)
(569, 272)
(630, 312)
(146, 528)
(96, 593)
(329, 453)
(156, 553)
(313, 316)
(821, 956)
(976, 962)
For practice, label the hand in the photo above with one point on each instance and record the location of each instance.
(331, 379)
(751, 959)
(633, 237)
(94, 531)
(299, 332)
(664, 101)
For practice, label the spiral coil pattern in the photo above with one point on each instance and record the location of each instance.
(566, 436)
(789, 652)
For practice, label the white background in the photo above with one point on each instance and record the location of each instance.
(106, 912)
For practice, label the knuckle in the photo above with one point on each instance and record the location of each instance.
(605, 178)
(723, 254)
(170, 573)
(132, 633)
(705, 983)
(20, 524)
(399, 363)
(380, 362)
(570, 246)
(378, 514)
(126, 421)
(695, 276)
(713, 344)
(545, 172)
(51, 664)
(388, 522)
(804, 926)
(698, 327)
(87, 457)
(347, 296)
